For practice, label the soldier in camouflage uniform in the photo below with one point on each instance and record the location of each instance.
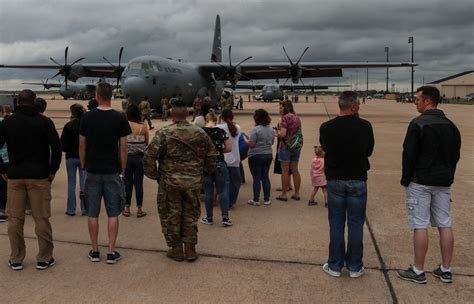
(207, 99)
(164, 108)
(229, 102)
(145, 111)
(196, 107)
(184, 153)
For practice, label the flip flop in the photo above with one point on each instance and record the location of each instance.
(126, 213)
(282, 198)
(296, 198)
(141, 213)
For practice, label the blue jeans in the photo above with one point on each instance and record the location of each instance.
(220, 180)
(134, 177)
(259, 166)
(234, 184)
(73, 165)
(346, 196)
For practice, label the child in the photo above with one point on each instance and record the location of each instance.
(318, 179)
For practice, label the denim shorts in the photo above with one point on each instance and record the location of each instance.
(107, 186)
(285, 156)
(428, 204)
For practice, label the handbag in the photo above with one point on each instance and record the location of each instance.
(296, 142)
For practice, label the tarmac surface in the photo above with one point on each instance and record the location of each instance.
(272, 254)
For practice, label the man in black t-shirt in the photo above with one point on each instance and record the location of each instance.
(348, 142)
(103, 154)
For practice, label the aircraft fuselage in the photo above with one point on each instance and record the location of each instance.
(271, 92)
(78, 91)
(156, 77)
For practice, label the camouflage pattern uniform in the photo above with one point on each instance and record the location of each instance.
(164, 108)
(229, 103)
(124, 105)
(184, 152)
(145, 111)
(196, 107)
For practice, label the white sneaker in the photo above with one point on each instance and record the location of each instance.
(267, 203)
(356, 274)
(253, 203)
(331, 272)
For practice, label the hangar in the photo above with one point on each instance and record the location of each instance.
(454, 86)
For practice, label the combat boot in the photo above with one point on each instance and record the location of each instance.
(190, 252)
(176, 253)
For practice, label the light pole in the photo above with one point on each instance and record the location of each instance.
(367, 84)
(412, 41)
(386, 87)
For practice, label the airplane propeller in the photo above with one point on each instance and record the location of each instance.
(295, 69)
(232, 71)
(118, 70)
(65, 69)
(45, 84)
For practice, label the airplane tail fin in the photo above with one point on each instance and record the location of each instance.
(216, 55)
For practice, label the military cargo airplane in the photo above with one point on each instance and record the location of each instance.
(275, 91)
(73, 90)
(156, 77)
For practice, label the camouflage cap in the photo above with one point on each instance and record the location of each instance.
(176, 103)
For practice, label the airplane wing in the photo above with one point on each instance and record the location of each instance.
(100, 70)
(47, 85)
(272, 70)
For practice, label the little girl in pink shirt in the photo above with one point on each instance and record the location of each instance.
(318, 179)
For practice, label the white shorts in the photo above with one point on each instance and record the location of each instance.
(427, 204)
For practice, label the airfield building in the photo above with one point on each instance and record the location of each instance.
(454, 86)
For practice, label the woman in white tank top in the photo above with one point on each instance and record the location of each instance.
(137, 142)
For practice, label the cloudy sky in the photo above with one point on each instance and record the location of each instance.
(340, 30)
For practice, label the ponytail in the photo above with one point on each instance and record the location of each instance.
(228, 116)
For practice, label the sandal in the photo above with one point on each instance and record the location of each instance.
(295, 197)
(282, 198)
(141, 213)
(126, 213)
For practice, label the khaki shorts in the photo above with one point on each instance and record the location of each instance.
(427, 204)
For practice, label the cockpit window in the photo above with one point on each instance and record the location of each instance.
(156, 66)
(147, 67)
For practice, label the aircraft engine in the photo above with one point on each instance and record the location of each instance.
(232, 73)
(66, 69)
(295, 70)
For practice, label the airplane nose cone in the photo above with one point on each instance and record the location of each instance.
(135, 88)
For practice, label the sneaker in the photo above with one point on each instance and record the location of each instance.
(70, 214)
(312, 203)
(45, 265)
(267, 203)
(3, 218)
(205, 220)
(410, 275)
(15, 266)
(331, 272)
(94, 256)
(227, 222)
(253, 203)
(113, 257)
(445, 277)
(356, 274)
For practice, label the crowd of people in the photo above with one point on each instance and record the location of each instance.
(111, 152)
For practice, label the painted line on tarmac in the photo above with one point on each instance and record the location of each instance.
(221, 256)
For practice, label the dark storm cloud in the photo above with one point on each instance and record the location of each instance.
(32, 31)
